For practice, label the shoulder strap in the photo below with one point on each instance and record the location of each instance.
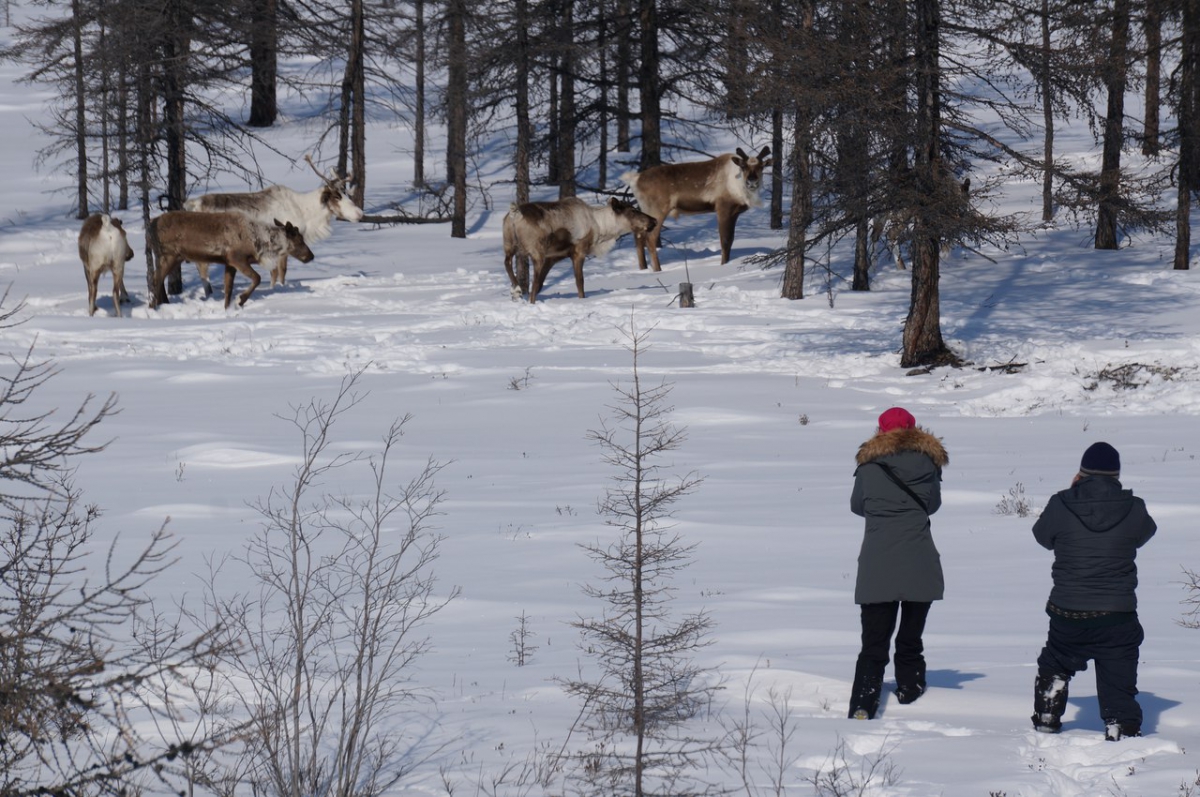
(891, 474)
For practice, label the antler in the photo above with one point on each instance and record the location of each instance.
(333, 181)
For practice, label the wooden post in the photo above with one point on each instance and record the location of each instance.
(686, 298)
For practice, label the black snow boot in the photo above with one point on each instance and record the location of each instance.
(1115, 731)
(864, 697)
(1049, 702)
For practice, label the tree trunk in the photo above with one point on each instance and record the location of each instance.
(352, 134)
(1114, 129)
(923, 344)
(1047, 90)
(419, 100)
(778, 165)
(624, 58)
(81, 170)
(567, 123)
(264, 62)
(456, 116)
(1152, 25)
(862, 256)
(649, 85)
(1189, 60)
(802, 210)
(802, 183)
(176, 49)
(524, 128)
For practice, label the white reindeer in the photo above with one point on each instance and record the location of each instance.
(311, 212)
(103, 247)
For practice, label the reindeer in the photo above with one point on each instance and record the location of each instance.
(232, 239)
(103, 247)
(548, 232)
(727, 185)
(894, 227)
(311, 212)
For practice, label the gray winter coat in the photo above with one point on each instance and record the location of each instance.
(1094, 528)
(898, 560)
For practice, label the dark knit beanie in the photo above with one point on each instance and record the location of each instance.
(896, 418)
(1100, 459)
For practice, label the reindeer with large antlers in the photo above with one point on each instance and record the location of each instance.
(311, 213)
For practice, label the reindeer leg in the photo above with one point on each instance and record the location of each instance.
(727, 216)
(577, 257)
(228, 285)
(640, 243)
(165, 266)
(248, 271)
(541, 267)
(280, 271)
(92, 280)
(202, 270)
(652, 245)
(512, 276)
(118, 289)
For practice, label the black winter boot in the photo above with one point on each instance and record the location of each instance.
(1049, 702)
(864, 697)
(1115, 731)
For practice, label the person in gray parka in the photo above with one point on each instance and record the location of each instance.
(897, 486)
(1095, 528)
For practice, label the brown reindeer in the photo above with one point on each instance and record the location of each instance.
(727, 185)
(547, 232)
(231, 239)
(103, 247)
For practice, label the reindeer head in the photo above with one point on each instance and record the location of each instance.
(752, 167)
(297, 247)
(639, 222)
(333, 195)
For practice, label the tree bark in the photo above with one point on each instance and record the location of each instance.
(1047, 90)
(922, 343)
(456, 116)
(624, 58)
(649, 85)
(1152, 25)
(264, 62)
(1114, 129)
(524, 128)
(1189, 60)
(567, 115)
(81, 169)
(419, 99)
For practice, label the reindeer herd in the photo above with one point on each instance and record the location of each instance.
(236, 231)
(267, 227)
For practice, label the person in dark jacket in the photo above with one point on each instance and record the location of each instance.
(897, 486)
(1094, 528)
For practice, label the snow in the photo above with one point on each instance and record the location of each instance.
(775, 396)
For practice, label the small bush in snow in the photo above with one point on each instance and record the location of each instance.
(1015, 503)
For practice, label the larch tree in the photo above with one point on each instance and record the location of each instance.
(648, 691)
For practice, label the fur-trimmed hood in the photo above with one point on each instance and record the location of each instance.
(899, 440)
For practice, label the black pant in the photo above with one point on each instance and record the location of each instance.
(1114, 649)
(878, 623)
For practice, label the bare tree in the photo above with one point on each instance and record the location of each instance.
(648, 688)
(343, 589)
(85, 662)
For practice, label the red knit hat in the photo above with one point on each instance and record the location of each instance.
(896, 418)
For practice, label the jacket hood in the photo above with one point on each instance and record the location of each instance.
(900, 440)
(1098, 502)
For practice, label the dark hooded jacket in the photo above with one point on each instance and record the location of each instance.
(898, 560)
(1094, 528)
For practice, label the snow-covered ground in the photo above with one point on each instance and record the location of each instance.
(775, 396)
